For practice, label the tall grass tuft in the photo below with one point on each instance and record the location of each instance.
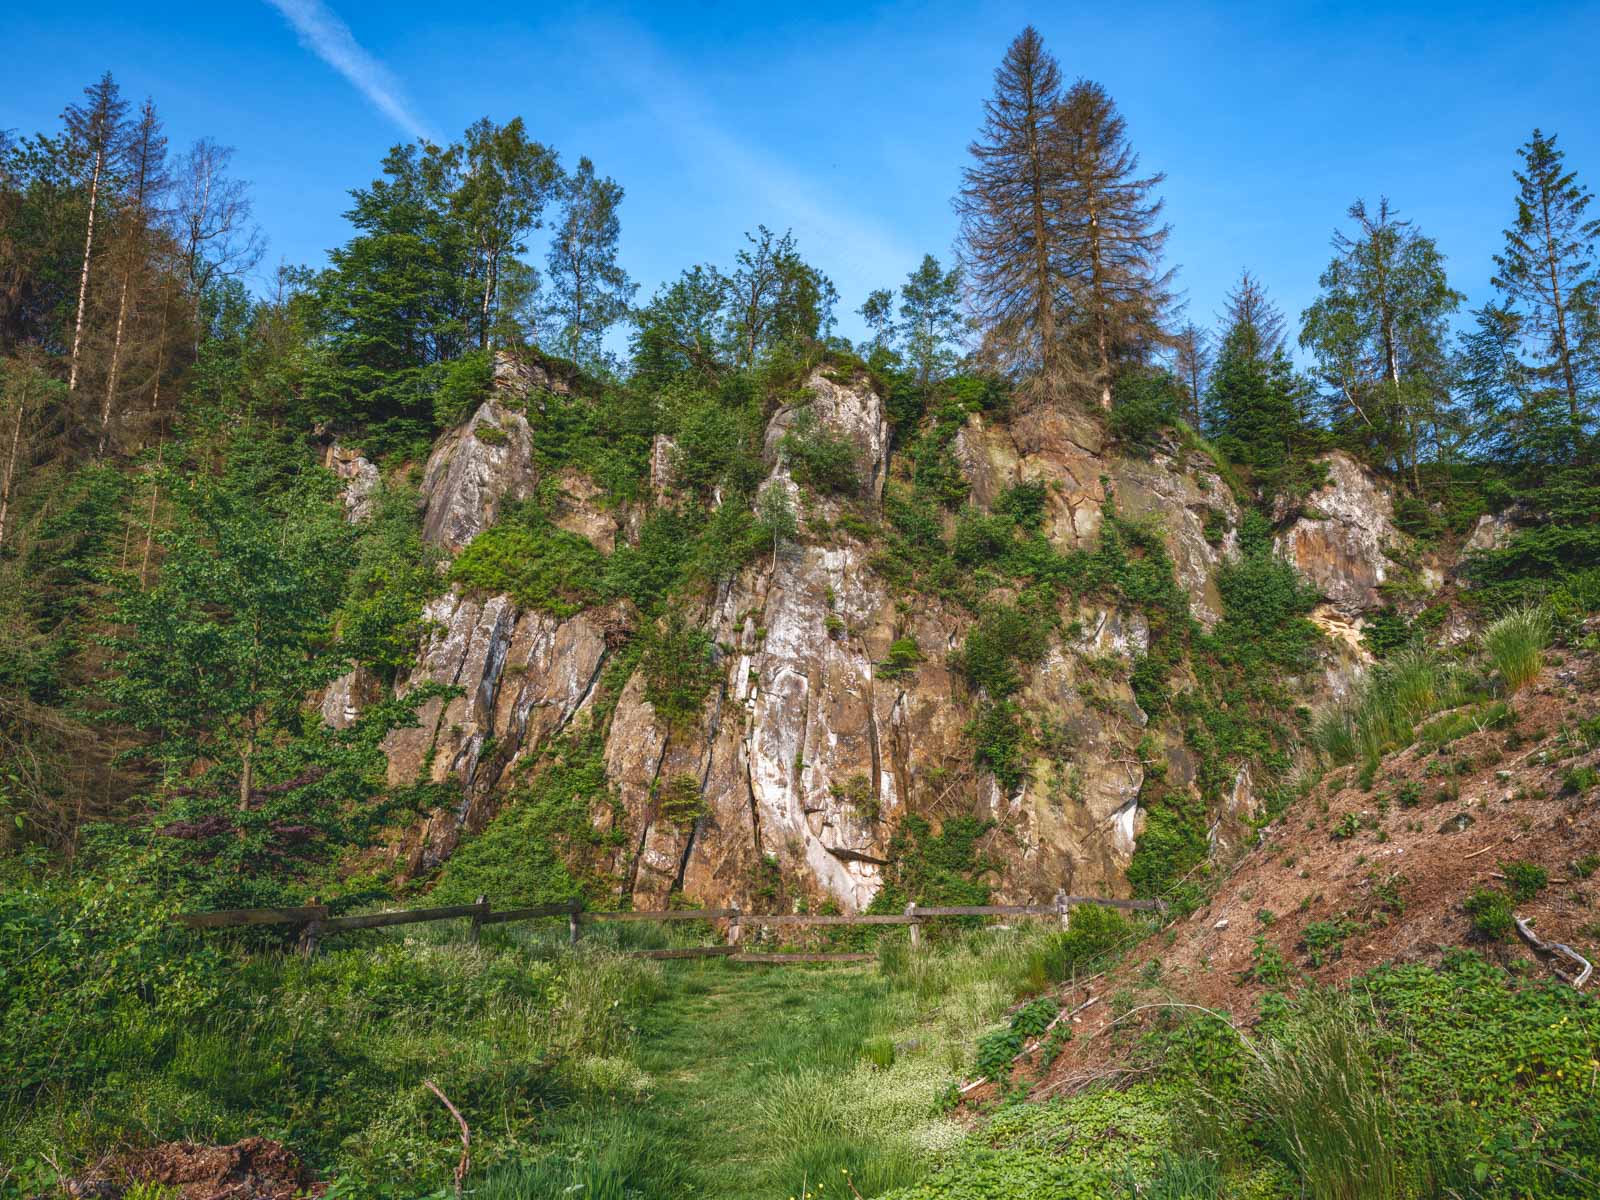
(1515, 644)
(1315, 1092)
(1383, 714)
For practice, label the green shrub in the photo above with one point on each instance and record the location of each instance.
(1034, 1017)
(1144, 401)
(902, 659)
(1490, 910)
(981, 537)
(1578, 780)
(1004, 639)
(995, 1053)
(820, 458)
(678, 665)
(1023, 503)
(1524, 879)
(1324, 940)
(464, 384)
(1000, 738)
(537, 564)
(679, 800)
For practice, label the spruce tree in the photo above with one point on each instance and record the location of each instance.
(1011, 204)
(1117, 290)
(1547, 270)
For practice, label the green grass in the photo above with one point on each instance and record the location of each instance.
(1515, 646)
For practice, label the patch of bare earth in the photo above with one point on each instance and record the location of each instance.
(252, 1169)
(1394, 876)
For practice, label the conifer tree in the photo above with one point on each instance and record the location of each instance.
(1191, 362)
(1548, 271)
(147, 181)
(1012, 204)
(592, 290)
(1117, 288)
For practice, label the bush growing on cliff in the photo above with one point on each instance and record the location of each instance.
(539, 565)
(678, 665)
(820, 458)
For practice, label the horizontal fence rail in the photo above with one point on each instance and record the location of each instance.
(315, 922)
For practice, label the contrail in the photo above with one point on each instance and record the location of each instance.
(324, 33)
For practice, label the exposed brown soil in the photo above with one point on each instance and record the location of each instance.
(1399, 879)
(252, 1169)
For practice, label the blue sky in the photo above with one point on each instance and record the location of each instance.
(849, 122)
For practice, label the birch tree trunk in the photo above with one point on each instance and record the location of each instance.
(83, 278)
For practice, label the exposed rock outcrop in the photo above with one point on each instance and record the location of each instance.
(809, 750)
(1340, 542)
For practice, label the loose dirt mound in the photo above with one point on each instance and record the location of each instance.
(1350, 878)
(252, 1169)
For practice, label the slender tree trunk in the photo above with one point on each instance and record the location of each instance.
(1552, 267)
(11, 463)
(116, 364)
(247, 774)
(83, 278)
(491, 263)
(1044, 302)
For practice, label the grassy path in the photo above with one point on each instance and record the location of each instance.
(718, 1046)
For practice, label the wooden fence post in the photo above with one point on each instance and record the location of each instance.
(310, 934)
(1063, 909)
(734, 928)
(572, 924)
(916, 929)
(477, 919)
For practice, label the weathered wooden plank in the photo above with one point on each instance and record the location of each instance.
(686, 952)
(254, 916)
(801, 958)
(674, 914)
(529, 914)
(807, 919)
(1034, 910)
(405, 916)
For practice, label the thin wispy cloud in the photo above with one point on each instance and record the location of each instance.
(856, 248)
(323, 32)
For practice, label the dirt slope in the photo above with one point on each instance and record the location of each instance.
(1348, 879)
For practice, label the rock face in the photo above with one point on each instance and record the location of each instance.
(809, 751)
(474, 470)
(1341, 541)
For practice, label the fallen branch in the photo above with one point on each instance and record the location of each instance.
(1034, 1044)
(466, 1134)
(1551, 949)
(1485, 850)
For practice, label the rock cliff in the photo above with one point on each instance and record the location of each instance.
(814, 742)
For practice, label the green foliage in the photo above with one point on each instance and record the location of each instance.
(1144, 402)
(819, 457)
(1515, 644)
(902, 659)
(464, 384)
(679, 800)
(539, 565)
(1004, 639)
(1034, 1017)
(1490, 910)
(1000, 739)
(1171, 848)
(996, 1049)
(380, 620)
(933, 868)
(1524, 880)
(544, 846)
(678, 665)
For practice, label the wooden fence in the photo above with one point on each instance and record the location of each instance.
(315, 922)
